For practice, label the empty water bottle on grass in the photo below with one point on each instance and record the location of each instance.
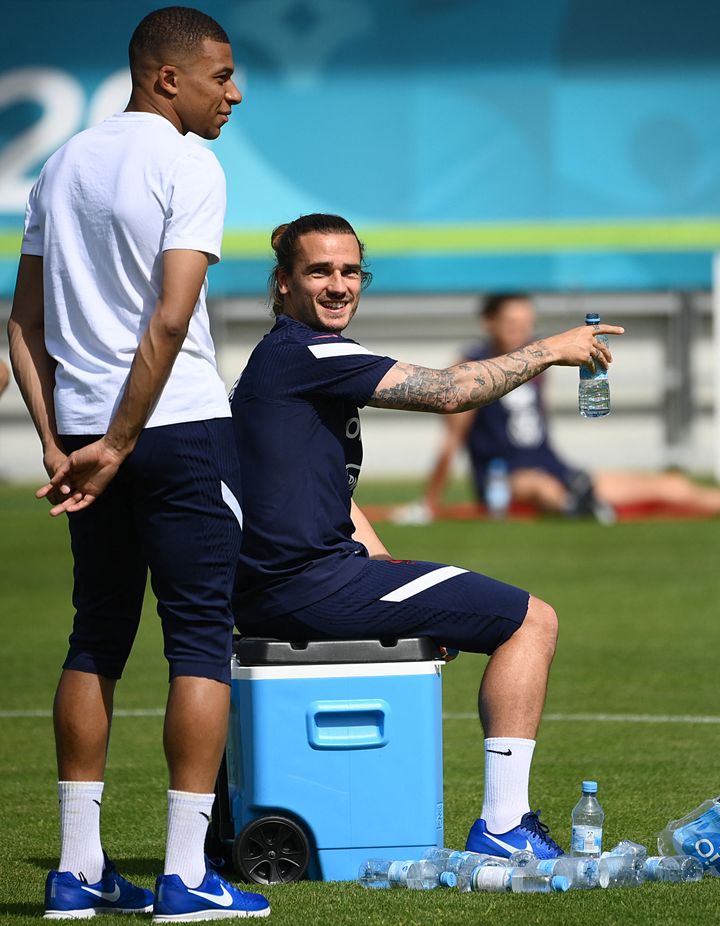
(466, 869)
(383, 873)
(587, 823)
(696, 834)
(581, 873)
(673, 868)
(517, 881)
(594, 387)
(426, 875)
(621, 871)
(627, 847)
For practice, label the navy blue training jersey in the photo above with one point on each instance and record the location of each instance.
(295, 413)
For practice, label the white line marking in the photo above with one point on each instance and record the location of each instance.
(430, 579)
(610, 718)
(573, 718)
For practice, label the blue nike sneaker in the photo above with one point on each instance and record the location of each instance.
(530, 834)
(213, 899)
(71, 898)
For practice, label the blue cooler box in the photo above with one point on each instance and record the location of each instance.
(334, 755)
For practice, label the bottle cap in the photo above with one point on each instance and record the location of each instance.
(448, 879)
(589, 787)
(559, 883)
(592, 318)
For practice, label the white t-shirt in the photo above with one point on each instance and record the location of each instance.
(105, 207)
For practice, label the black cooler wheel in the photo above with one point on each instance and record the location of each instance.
(271, 850)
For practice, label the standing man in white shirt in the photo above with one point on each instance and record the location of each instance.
(110, 344)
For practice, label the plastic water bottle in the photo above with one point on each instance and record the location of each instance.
(383, 873)
(521, 858)
(456, 857)
(426, 875)
(621, 871)
(594, 387)
(497, 489)
(696, 834)
(517, 881)
(465, 868)
(516, 860)
(581, 873)
(627, 847)
(673, 868)
(587, 823)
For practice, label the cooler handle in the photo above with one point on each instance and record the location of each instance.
(347, 724)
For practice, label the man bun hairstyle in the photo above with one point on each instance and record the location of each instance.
(284, 240)
(172, 30)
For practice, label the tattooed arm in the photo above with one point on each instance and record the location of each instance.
(472, 384)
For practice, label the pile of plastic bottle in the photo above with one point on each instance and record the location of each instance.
(688, 848)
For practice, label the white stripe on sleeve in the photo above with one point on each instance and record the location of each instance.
(340, 349)
(232, 503)
(420, 584)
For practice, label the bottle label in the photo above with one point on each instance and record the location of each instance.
(490, 878)
(397, 872)
(586, 840)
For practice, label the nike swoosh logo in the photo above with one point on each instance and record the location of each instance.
(499, 752)
(507, 846)
(111, 896)
(222, 900)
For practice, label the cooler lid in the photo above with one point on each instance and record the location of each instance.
(262, 651)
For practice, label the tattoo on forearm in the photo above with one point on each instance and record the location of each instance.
(464, 386)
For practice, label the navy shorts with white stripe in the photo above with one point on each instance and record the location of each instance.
(399, 598)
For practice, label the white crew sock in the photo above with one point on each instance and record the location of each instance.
(507, 775)
(80, 845)
(188, 818)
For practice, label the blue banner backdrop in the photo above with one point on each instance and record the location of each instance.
(475, 143)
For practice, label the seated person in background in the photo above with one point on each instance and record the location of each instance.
(312, 567)
(514, 430)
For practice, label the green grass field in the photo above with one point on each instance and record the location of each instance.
(638, 606)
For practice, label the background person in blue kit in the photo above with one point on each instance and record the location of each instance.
(110, 342)
(312, 567)
(515, 430)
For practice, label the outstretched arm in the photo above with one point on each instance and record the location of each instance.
(475, 383)
(89, 471)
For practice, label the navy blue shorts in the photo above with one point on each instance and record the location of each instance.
(456, 608)
(173, 508)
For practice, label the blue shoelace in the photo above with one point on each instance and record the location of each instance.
(531, 823)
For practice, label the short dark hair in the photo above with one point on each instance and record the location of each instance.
(491, 303)
(172, 29)
(284, 240)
